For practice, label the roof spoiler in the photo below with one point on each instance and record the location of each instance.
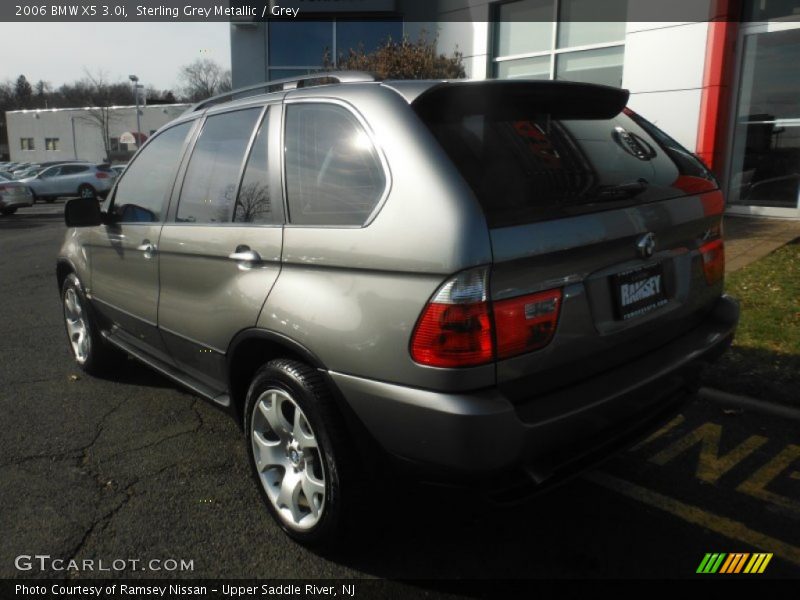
(517, 99)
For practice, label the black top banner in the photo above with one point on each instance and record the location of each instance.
(251, 11)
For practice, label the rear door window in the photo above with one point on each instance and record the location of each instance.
(334, 175)
(254, 202)
(212, 177)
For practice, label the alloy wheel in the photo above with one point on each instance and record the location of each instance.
(288, 459)
(77, 327)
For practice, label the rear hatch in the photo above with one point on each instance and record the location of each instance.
(585, 198)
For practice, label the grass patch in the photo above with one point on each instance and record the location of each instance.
(764, 361)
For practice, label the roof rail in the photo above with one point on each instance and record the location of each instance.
(289, 83)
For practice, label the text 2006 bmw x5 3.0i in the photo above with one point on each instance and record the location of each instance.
(475, 281)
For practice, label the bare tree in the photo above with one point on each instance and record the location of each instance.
(204, 78)
(253, 202)
(100, 96)
(43, 91)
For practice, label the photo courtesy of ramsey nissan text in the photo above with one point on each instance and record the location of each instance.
(393, 299)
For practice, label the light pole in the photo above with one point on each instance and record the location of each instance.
(136, 86)
(74, 139)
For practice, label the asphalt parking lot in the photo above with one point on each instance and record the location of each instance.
(138, 468)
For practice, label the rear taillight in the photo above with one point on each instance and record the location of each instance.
(713, 255)
(101, 175)
(455, 329)
(460, 328)
(526, 323)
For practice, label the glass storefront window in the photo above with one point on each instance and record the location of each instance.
(603, 66)
(286, 73)
(527, 42)
(299, 43)
(525, 26)
(298, 47)
(369, 34)
(572, 31)
(764, 10)
(766, 151)
(529, 68)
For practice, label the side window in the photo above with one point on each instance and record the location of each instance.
(333, 173)
(74, 169)
(141, 191)
(209, 188)
(254, 204)
(47, 173)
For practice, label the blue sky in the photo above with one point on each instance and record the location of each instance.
(59, 52)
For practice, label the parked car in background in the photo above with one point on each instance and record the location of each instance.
(34, 168)
(13, 195)
(73, 179)
(29, 172)
(20, 168)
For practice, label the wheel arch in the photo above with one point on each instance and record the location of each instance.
(64, 267)
(251, 348)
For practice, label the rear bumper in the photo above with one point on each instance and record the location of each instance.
(15, 201)
(483, 432)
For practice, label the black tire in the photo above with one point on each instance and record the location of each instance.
(8, 211)
(342, 472)
(86, 191)
(100, 357)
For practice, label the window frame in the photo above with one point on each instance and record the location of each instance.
(552, 53)
(167, 203)
(271, 110)
(332, 21)
(271, 118)
(172, 214)
(29, 142)
(387, 174)
(55, 142)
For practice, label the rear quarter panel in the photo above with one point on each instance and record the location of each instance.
(353, 295)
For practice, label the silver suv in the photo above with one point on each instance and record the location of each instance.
(73, 179)
(473, 282)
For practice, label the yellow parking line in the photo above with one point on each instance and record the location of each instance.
(697, 516)
(678, 420)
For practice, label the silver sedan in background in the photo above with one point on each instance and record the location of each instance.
(13, 195)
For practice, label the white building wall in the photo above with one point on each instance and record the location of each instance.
(663, 69)
(87, 143)
(663, 66)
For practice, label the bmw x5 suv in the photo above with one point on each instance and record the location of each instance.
(474, 281)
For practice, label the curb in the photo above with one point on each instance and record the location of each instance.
(761, 406)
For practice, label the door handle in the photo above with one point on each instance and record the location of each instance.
(242, 255)
(147, 247)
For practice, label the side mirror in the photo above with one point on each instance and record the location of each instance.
(82, 212)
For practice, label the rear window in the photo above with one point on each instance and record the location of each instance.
(526, 165)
